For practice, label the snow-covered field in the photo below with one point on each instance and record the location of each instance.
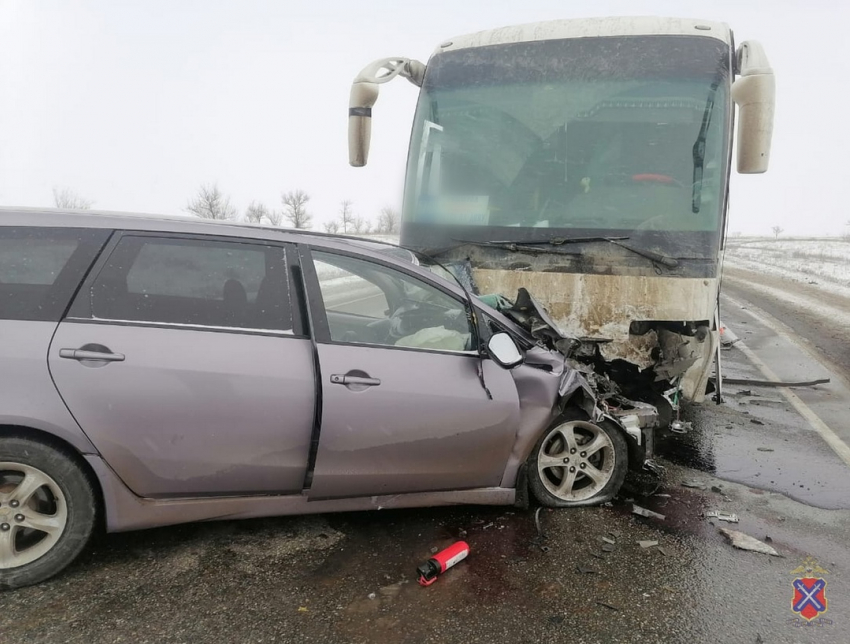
(824, 263)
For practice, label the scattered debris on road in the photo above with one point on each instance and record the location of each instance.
(537, 523)
(773, 383)
(607, 605)
(607, 548)
(647, 544)
(649, 514)
(607, 540)
(746, 542)
(585, 571)
(729, 517)
(655, 468)
(693, 484)
(680, 427)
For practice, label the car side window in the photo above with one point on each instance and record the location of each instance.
(194, 282)
(368, 303)
(41, 268)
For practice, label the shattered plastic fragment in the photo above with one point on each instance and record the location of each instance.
(607, 540)
(654, 467)
(607, 548)
(636, 509)
(647, 544)
(722, 516)
(680, 427)
(746, 542)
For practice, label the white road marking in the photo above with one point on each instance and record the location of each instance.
(826, 433)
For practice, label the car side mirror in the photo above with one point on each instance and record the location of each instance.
(504, 351)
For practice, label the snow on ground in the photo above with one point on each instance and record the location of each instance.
(822, 263)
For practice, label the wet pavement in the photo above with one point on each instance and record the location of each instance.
(351, 577)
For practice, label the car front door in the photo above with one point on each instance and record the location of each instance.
(404, 406)
(180, 361)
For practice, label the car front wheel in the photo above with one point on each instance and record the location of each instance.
(577, 462)
(47, 511)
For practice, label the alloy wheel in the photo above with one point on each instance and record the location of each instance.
(33, 514)
(576, 460)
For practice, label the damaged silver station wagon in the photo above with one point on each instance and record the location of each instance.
(159, 371)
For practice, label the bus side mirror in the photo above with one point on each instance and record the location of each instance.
(755, 94)
(364, 93)
(363, 97)
(504, 351)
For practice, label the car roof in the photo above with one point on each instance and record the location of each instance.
(187, 224)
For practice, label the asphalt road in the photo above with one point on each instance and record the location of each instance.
(827, 335)
(351, 577)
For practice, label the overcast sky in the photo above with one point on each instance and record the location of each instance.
(135, 103)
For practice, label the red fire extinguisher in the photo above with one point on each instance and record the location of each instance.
(441, 562)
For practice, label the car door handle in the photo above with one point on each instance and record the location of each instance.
(81, 354)
(345, 379)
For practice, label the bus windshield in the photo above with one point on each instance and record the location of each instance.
(587, 136)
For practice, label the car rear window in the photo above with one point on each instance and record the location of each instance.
(194, 282)
(40, 268)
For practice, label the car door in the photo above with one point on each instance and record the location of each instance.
(180, 361)
(404, 407)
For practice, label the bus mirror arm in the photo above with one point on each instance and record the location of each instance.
(754, 93)
(364, 93)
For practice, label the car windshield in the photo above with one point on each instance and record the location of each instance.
(573, 137)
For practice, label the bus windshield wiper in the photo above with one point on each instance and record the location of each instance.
(515, 247)
(532, 246)
(698, 151)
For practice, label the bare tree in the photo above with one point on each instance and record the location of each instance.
(275, 217)
(777, 231)
(211, 203)
(256, 212)
(346, 215)
(68, 199)
(331, 226)
(360, 226)
(388, 221)
(295, 209)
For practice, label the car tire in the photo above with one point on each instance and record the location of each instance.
(47, 511)
(592, 477)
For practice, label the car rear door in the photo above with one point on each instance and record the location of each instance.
(404, 409)
(183, 363)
